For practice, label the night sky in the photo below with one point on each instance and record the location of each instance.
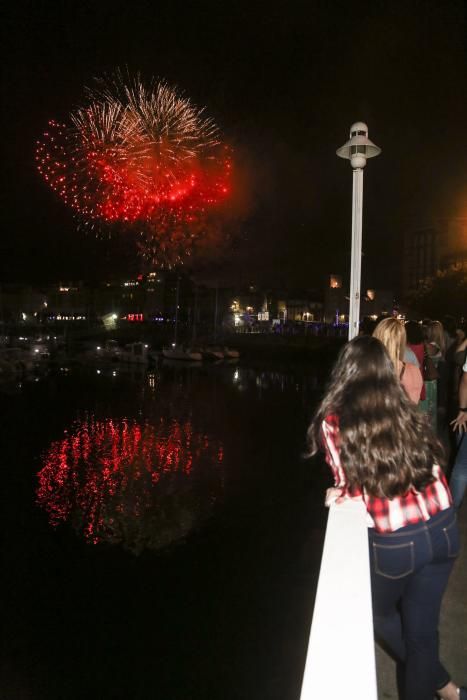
(284, 81)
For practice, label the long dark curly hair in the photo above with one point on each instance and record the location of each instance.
(385, 443)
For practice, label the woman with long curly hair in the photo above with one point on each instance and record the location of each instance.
(382, 450)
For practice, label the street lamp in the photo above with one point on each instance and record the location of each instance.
(357, 149)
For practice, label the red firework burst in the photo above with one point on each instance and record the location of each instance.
(141, 157)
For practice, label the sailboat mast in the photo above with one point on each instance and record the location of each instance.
(195, 313)
(177, 299)
(216, 302)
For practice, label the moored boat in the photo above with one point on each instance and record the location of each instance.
(213, 352)
(231, 353)
(135, 353)
(178, 352)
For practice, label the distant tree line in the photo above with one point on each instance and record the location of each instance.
(444, 293)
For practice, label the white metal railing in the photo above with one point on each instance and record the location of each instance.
(341, 654)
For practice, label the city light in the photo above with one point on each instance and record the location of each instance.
(335, 282)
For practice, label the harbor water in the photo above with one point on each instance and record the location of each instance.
(162, 532)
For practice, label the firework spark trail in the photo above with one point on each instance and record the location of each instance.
(141, 156)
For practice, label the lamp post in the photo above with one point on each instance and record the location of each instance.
(357, 149)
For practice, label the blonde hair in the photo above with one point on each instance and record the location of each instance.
(436, 335)
(391, 333)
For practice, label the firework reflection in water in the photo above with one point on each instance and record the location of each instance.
(141, 158)
(129, 482)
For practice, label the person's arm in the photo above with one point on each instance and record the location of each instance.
(418, 381)
(329, 433)
(335, 494)
(339, 492)
(412, 381)
(460, 422)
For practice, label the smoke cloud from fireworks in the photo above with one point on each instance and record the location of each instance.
(142, 157)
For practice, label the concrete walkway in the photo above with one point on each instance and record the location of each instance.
(453, 627)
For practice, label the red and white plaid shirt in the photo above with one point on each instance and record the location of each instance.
(387, 514)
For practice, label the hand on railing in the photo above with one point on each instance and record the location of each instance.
(338, 495)
(334, 495)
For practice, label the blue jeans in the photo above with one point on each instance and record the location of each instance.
(458, 480)
(410, 569)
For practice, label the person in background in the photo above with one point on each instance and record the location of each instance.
(436, 342)
(414, 333)
(461, 333)
(367, 326)
(436, 349)
(457, 356)
(382, 451)
(449, 329)
(391, 333)
(458, 480)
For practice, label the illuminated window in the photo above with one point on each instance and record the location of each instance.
(335, 281)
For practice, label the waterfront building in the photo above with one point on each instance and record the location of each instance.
(432, 247)
(374, 302)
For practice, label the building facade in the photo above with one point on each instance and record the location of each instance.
(430, 248)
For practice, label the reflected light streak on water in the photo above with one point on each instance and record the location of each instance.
(124, 481)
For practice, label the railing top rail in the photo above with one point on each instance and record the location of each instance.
(341, 655)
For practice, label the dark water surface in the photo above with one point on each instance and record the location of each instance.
(162, 534)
